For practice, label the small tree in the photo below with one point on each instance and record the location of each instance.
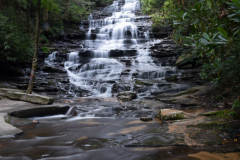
(35, 54)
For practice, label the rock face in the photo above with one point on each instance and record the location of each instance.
(126, 96)
(166, 48)
(162, 31)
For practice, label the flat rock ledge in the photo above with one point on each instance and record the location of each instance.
(32, 98)
(7, 129)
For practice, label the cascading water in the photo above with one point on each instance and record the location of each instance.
(118, 40)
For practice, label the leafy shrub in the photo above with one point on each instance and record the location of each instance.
(14, 44)
(45, 49)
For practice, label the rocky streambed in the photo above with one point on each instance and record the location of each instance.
(118, 95)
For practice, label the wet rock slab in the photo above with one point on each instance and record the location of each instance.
(7, 129)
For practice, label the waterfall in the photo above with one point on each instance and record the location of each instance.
(118, 50)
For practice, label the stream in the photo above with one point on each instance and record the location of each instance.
(114, 56)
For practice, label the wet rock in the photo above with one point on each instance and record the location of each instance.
(51, 69)
(120, 87)
(188, 66)
(126, 96)
(146, 118)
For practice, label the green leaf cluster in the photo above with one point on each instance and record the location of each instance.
(14, 44)
(209, 29)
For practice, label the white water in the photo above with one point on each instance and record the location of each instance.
(114, 32)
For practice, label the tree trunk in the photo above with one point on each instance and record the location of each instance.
(45, 14)
(68, 8)
(28, 17)
(35, 54)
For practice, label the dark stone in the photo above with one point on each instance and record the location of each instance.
(39, 112)
(51, 69)
(172, 78)
(146, 118)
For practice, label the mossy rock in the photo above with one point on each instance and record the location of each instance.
(184, 59)
(172, 78)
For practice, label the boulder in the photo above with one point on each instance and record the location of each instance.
(33, 98)
(170, 114)
(184, 59)
(126, 96)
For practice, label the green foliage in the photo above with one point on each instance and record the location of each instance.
(236, 109)
(210, 29)
(14, 44)
(158, 9)
(45, 49)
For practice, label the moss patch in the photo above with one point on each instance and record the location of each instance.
(216, 125)
(218, 114)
